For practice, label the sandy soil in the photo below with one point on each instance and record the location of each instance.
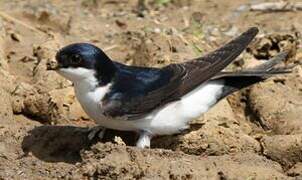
(253, 134)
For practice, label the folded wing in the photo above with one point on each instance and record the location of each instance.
(183, 78)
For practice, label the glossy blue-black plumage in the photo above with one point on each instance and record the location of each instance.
(88, 56)
(126, 79)
(133, 80)
(130, 85)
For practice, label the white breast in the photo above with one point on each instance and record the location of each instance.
(90, 99)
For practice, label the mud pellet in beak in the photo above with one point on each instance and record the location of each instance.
(52, 64)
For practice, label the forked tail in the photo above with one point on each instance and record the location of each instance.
(237, 80)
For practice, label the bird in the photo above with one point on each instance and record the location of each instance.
(156, 101)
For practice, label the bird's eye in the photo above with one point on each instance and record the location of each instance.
(76, 59)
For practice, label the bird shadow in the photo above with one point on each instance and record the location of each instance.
(65, 143)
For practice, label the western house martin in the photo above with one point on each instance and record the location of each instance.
(155, 101)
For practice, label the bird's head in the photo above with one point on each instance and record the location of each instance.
(82, 60)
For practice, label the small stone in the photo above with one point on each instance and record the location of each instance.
(15, 37)
(157, 30)
(118, 140)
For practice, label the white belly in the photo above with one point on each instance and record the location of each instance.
(168, 119)
(175, 116)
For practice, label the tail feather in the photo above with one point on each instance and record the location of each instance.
(237, 80)
(267, 66)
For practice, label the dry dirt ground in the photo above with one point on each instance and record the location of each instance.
(253, 134)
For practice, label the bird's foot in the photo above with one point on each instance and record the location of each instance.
(144, 139)
(98, 131)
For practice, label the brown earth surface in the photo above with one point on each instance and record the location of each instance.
(253, 134)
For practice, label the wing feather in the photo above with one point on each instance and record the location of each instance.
(184, 77)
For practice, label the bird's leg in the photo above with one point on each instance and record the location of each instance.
(96, 131)
(144, 139)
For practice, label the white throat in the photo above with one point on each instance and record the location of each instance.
(80, 77)
(87, 89)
